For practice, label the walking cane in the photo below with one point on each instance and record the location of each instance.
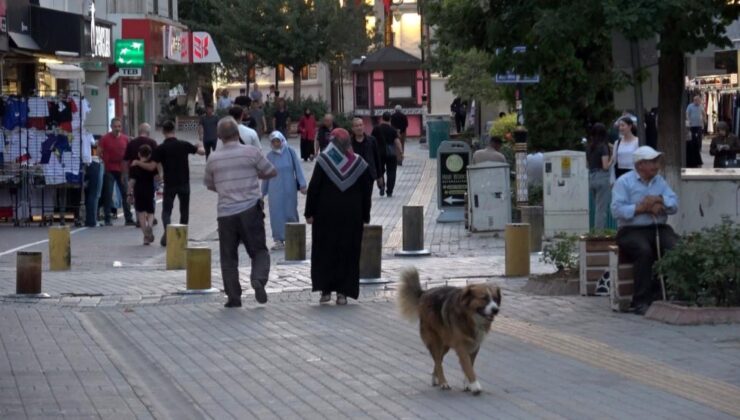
(657, 247)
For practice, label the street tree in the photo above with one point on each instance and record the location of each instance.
(567, 45)
(682, 27)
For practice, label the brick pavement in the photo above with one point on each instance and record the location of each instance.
(119, 343)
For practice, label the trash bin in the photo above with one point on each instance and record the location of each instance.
(437, 132)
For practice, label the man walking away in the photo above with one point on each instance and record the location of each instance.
(112, 148)
(207, 130)
(234, 172)
(641, 202)
(391, 151)
(246, 135)
(492, 153)
(132, 152)
(324, 134)
(400, 122)
(173, 154)
(459, 109)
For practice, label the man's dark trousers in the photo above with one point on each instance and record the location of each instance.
(248, 228)
(389, 166)
(638, 243)
(168, 200)
(115, 178)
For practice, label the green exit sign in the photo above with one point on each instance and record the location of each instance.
(129, 53)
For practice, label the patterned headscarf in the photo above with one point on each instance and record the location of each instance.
(340, 162)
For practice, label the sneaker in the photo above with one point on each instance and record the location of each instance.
(325, 298)
(341, 299)
(233, 303)
(163, 241)
(278, 245)
(382, 192)
(260, 295)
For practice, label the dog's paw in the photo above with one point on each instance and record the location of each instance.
(445, 386)
(474, 387)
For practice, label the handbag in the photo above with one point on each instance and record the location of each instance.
(295, 169)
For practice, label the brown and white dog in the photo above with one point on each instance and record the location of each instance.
(450, 318)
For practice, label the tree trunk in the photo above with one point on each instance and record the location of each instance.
(296, 83)
(670, 115)
(192, 89)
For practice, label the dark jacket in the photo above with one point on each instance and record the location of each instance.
(368, 149)
(399, 121)
(322, 135)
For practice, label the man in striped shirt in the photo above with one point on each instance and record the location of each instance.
(234, 171)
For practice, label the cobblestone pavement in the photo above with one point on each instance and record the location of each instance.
(120, 343)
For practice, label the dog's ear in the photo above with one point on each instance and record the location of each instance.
(467, 296)
(496, 293)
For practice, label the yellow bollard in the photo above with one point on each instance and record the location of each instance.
(516, 238)
(28, 273)
(60, 252)
(295, 242)
(198, 270)
(177, 242)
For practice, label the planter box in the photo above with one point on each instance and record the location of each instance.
(622, 281)
(594, 262)
(686, 315)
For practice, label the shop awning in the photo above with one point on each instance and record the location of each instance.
(66, 71)
(23, 41)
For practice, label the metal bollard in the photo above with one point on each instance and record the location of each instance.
(413, 232)
(295, 243)
(371, 254)
(28, 274)
(516, 238)
(535, 216)
(177, 242)
(60, 252)
(198, 271)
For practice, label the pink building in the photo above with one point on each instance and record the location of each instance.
(386, 78)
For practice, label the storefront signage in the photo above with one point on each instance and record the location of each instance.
(204, 50)
(99, 36)
(173, 43)
(130, 72)
(129, 53)
(452, 163)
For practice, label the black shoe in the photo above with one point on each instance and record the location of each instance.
(390, 194)
(233, 304)
(260, 295)
(131, 223)
(163, 241)
(640, 309)
(155, 221)
(382, 192)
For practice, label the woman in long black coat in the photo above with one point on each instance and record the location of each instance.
(337, 206)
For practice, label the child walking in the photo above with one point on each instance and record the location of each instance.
(141, 191)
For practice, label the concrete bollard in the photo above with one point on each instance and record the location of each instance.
(198, 271)
(371, 254)
(28, 273)
(516, 238)
(177, 243)
(60, 252)
(535, 216)
(413, 232)
(295, 242)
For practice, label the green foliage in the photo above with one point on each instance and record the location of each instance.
(470, 77)
(504, 125)
(295, 108)
(601, 233)
(704, 268)
(535, 193)
(562, 252)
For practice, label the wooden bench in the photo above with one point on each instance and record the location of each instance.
(621, 279)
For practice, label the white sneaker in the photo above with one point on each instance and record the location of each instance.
(278, 246)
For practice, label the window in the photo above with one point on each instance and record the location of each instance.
(155, 7)
(280, 72)
(171, 9)
(400, 87)
(310, 72)
(362, 93)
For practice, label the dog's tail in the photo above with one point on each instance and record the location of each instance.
(409, 293)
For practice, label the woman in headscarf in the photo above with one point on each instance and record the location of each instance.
(337, 206)
(282, 191)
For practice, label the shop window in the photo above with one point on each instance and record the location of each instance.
(400, 87)
(280, 70)
(362, 91)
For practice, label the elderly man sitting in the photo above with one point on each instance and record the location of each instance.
(642, 201)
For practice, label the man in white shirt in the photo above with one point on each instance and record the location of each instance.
(246, 135)
(224, 102)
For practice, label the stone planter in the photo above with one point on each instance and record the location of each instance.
(594, 262)
(670, 313)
